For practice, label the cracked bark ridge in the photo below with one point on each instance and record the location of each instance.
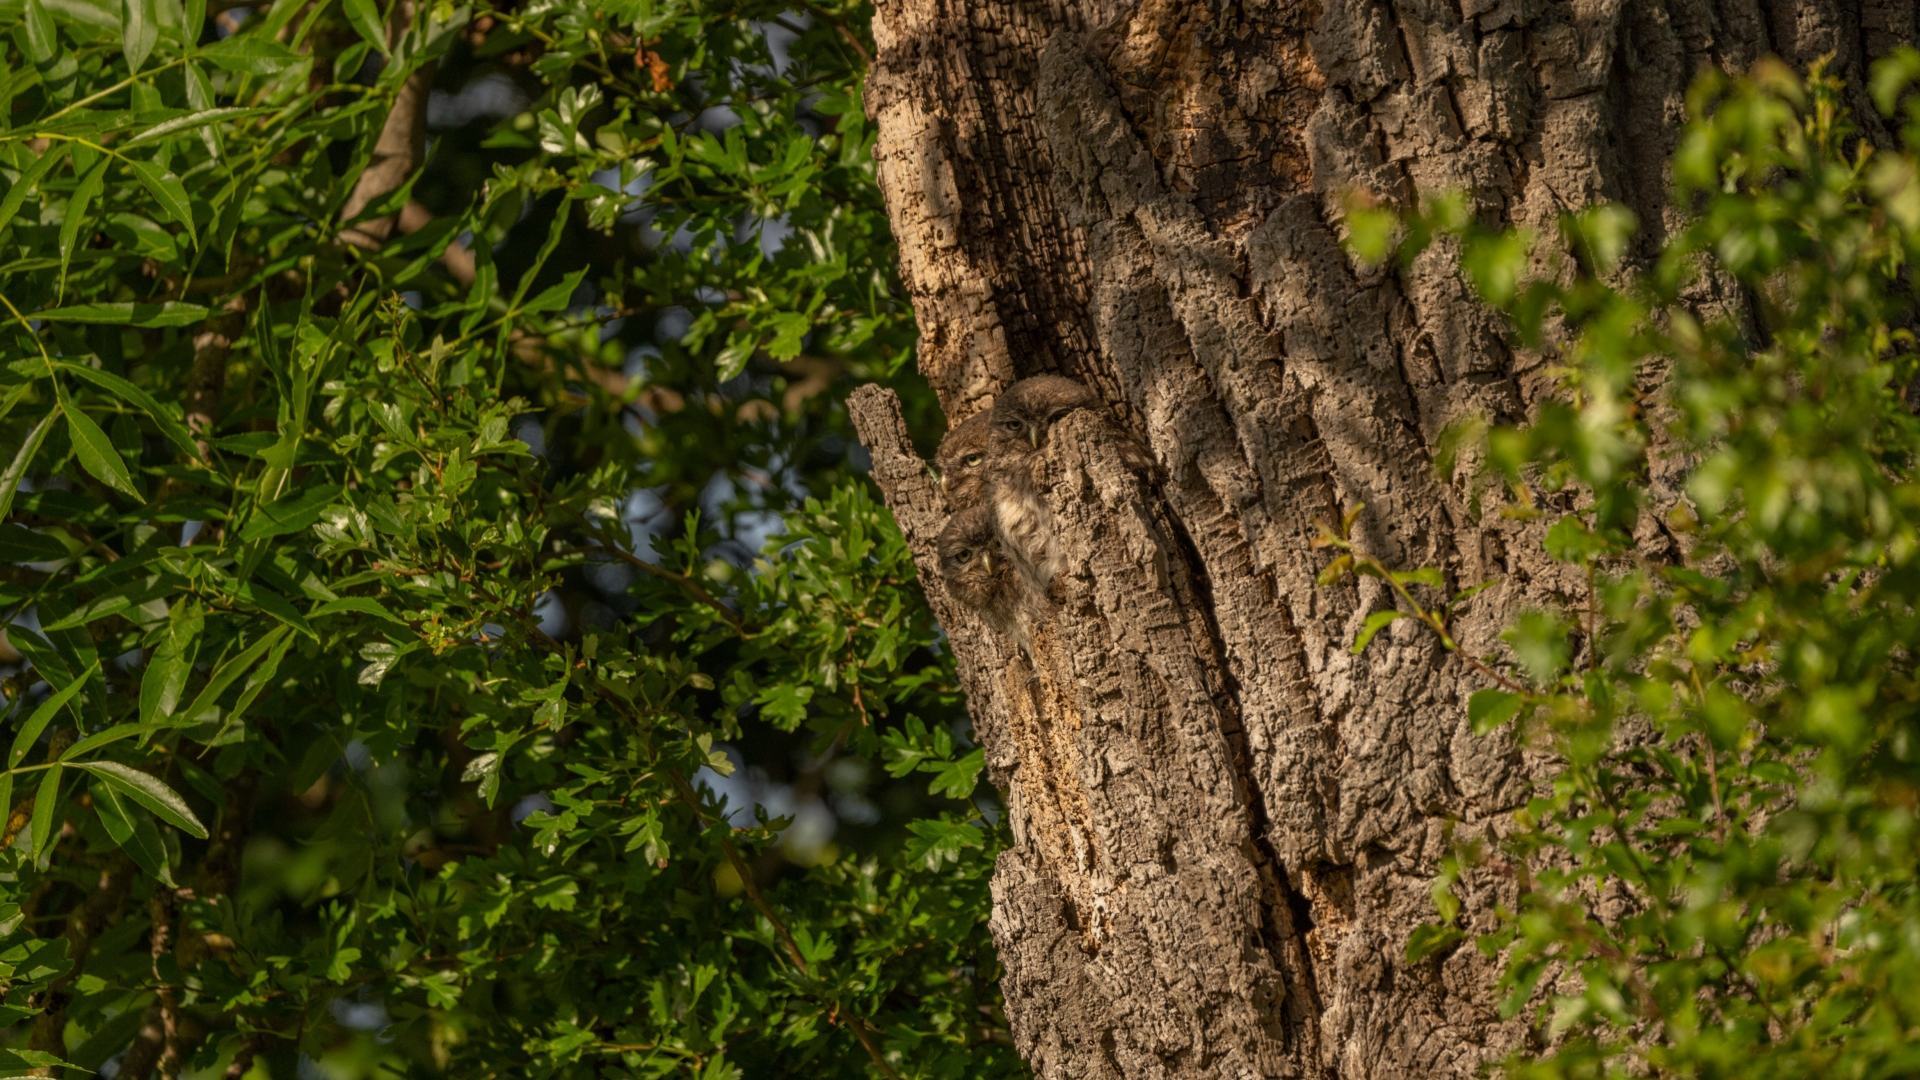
(1225, 823)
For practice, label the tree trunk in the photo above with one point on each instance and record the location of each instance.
(1225, 824)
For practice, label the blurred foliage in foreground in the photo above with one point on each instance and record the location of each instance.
(1722, 880)
(430, 594)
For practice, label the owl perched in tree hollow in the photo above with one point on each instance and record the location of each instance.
(962, 460)
(974, 568)
(1021, 419)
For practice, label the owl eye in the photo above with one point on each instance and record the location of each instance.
(963, 556)
(972, 459)
(1010, 425)
(1057, 414)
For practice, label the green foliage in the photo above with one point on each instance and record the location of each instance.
(1721, 878)
(419, 648)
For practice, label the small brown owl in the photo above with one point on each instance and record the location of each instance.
(1021, 419)
(974, 569)
(962, 460)
(1031, 406)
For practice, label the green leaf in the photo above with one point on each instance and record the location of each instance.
(46, 803)
(1494, 262)
(103, 737)
(97, 454)
(167, 191)
(167, 313)
(75, 217)
(256, 683)
(1370, 232)
(1604, 232)
(19, 544)
(171, 427)
(42, 40)
(555, 296)
(733, 359)
(118, 600)
(956, 779)
(123, 826)
(1430, 940)
(1426, 575)
(22, 458)
(935, 842)
(167, 670)
(148, 791)
(41, 1059)
(140, 28)
(366, 21)
(1488, 709)
(29, 182)
(226, 674)
(277, 606)
(29, 732)
(1571, 541)
(293, 514)
(1375, 623)
(1540, 641)
(1333, 572)
(357, 604)
(189, 122)
(251, 53)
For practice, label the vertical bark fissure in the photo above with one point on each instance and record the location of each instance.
(1290, 912)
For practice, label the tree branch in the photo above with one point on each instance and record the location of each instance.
(397, 153)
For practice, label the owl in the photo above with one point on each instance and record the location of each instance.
(974, 568)
(1021, 419)
(962, 460)
(1031, 406)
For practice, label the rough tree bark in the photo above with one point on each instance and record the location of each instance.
(1225, 824)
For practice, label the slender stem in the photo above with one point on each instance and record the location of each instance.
(1438, 625)
(35, 335)
(77, 140)
(1713, 762)
(693, 588)
(647, 1048)
(1593, 643)
(111, 90)
(691, 798)
(759, 901)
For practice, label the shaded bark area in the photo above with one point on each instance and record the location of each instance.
(1225, 823)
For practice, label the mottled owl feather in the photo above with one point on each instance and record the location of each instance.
(975, 569)
(1021, 418)
(962, 460)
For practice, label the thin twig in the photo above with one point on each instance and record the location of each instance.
(160, 936)
(693, 588)
(759, 901)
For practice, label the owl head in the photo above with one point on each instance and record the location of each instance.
(962, 459)
(1022, 415)
(971, 562)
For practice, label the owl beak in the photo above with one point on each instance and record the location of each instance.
(1033, 436)
(943, 483)
(986, 561)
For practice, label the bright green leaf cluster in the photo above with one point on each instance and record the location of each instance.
(1721, 878)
